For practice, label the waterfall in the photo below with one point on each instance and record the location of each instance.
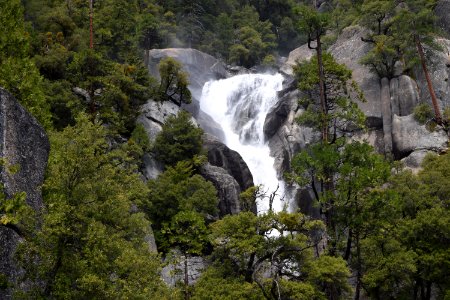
(240, 105)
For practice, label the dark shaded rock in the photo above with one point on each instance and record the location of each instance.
(227, 187)
(220, 155)
(23, 144)
(276, 116)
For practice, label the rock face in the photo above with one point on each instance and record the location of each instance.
(221, 156)
(228, 172)
(439, 70)
(154, 114)
(285, 136)
(174, 272)
(348, 50)
(299, 54)
(201, 68)
(442, 12)
(409, 136)
(227, 187)
(23, 144)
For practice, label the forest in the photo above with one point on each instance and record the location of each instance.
(80, 67)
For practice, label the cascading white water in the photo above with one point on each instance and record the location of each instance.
(240, 105)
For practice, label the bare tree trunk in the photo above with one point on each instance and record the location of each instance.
(437, 111)
(91, 24)
(322, 89)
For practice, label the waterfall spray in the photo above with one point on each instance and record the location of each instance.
(240, 105)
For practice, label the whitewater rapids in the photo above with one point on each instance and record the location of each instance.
(240, 105)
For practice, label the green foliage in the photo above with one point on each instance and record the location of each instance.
(179, 139)
(92, 242)
(139, 136)
(187, 232)
(216, 283)
(248, 245)
(341, 112)
(18, 74)
(312, 22)
(423, 113)
(174, 82)
(174, 191)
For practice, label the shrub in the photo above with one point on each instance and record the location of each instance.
(179, 140)
(423, 113)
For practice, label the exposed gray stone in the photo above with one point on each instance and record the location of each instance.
(415, 159)
(152, 168)
(300, 54)
(348, 50)
(174, 271)
(23, 143)
(221, 156)
(200, 66)
(387, 115)
(372, 137)
(404, 95)
(285, 136)
(439, 73)
(442, 10)
(159, 111)
(408, 136)
(228, 188)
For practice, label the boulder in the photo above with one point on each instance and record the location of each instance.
(414, 160)
(220, 155)
(348, 50)
(228, 188)
(299, 54)
(24, 143)
(154, 114)
(408, 136)
(442, 11)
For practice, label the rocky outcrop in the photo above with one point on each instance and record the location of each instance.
(300, 54)
(220, 155)
(201, 68)
(23, 144)
(409, 136)
(227, 187)
(285, 136)
(348, 50)
(442, 10)
(173, 272)
(154, 114)
(439, 71)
